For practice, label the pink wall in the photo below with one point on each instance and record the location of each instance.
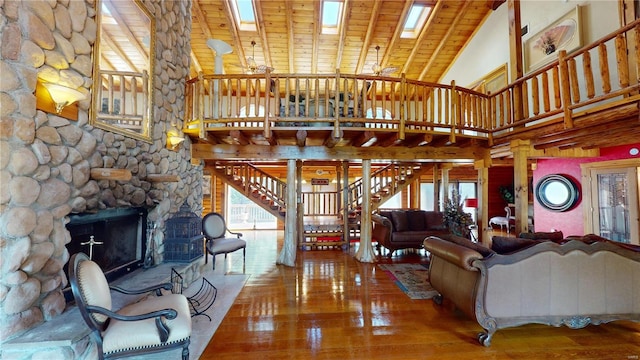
(571, 222)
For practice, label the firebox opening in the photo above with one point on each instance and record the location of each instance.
(119, 240)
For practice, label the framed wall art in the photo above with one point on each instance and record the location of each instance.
(543, 47)
(492, 82)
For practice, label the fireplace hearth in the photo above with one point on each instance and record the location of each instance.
(115, 238)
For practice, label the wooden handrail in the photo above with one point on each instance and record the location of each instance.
(560, 88)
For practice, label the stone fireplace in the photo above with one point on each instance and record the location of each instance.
(47, 161)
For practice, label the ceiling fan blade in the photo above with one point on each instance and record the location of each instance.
(388, 70)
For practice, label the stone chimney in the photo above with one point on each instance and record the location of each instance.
(46, 160)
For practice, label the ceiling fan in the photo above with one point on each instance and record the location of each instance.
(252, 66)
(379, 70)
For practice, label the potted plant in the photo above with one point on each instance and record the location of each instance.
(456, 220)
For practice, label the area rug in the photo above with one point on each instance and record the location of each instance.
(412, 279)
(202, 330)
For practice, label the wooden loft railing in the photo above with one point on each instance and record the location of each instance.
(217, 102)
(124, 97)
(595, 77)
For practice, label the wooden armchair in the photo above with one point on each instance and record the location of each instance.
(215, 230)
(153, 324)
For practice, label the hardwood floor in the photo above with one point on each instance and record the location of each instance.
(331, 306)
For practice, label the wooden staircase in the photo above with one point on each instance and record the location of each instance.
(385, 183)
(269, 192)
(263, 189)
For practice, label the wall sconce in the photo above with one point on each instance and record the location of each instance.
(63, 96)
(174, 139)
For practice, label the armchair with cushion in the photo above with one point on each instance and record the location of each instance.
(215, 230)
(153, 324)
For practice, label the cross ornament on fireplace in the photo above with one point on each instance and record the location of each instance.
(91, 242)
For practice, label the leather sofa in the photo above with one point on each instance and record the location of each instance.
(574, 282)
(405, 228)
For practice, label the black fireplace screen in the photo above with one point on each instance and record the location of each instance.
(119, 239)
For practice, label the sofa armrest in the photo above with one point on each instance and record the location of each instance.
(382, 220)
(453, 253)
(381, 228)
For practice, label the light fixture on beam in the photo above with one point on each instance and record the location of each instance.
(174, 139)
(62, 95)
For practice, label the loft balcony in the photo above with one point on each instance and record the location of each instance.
(564, 104)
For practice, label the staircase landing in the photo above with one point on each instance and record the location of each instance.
(325, 232)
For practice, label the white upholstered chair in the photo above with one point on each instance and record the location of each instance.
(503, 221)
(153, 324)
(215, 230)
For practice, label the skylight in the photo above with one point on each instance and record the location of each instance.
(245, 17)
(331, 15)
(415, 20)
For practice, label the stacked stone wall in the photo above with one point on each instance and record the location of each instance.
(46, 160)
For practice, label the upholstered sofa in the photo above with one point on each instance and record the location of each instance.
(574, 282)
(405, 228)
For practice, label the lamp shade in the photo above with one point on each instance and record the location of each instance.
(471, 203)
(63, 95)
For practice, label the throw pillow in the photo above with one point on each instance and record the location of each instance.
(483, 250)
(555, 236)
(399, 220)
(434, 220)
(416, 219)
(506, 245)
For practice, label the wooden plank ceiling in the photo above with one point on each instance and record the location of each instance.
(289, 39)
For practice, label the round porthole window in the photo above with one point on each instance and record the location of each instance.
(557, 192)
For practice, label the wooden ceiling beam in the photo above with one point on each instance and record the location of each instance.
(423, 33)
(290, 36)
(420, 140)
(569, 136)
(396, 34)
(239, 138)
(317, 15)
(195, 63)
(342, 30)
(264, 152)
(366, 43)
(301, 137)
(367, 138)
(127, 32)
(392, 140)
(105, 38)
(235, 33)
(450, 31)
(262, 32)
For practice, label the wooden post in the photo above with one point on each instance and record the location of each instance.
(436, 188)
(299, 203)
(403, 107)
(365, 251)
(482, 166)
(200, 105)
(515, 55)
(520, 149)
(345, 201)
(288, 253)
